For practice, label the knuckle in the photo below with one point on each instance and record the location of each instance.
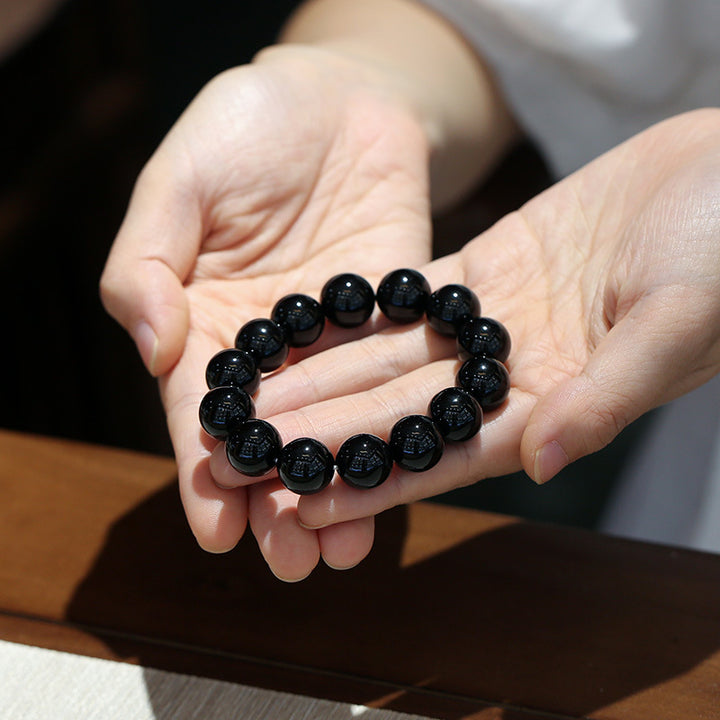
(608, 418)
(111, 293)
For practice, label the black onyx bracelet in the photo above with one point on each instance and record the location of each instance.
(416, 442)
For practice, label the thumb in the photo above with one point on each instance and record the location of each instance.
(155, 249)
(641, 363)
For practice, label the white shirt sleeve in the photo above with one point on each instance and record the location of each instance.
(584, 75)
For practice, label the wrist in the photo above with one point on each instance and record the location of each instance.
(345, 69)
(402, 49)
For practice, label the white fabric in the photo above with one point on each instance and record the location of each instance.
(39, 684)
(583, 76)
(671, 490)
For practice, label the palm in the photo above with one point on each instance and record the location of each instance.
(344, 191)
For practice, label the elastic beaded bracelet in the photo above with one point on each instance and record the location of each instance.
(416, 442)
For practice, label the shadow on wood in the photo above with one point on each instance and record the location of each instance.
(520, 618)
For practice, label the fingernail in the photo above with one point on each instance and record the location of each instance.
(289, 580)
(226, 487)
(550, 459)
(310, 527)
(214, 550)
(340, 567)
(147, 344)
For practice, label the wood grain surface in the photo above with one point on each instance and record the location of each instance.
(456, 613)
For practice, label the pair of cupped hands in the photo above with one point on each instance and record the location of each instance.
(287, 171)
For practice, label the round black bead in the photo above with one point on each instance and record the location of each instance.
(449, 306)
(265, 341)
(456, 413)
(347, 300)
(305, 466)
(223, 409)
(233, 367)
(483, 337)
(300, 317)
(364, 461)
(402, 295)
(486, 379)
(253, 448)
(415, 443)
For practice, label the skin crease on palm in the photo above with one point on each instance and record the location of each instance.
(607, 282)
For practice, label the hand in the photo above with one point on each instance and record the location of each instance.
(279, 175)
(608, 284)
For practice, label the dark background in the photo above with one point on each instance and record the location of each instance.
(85, 101)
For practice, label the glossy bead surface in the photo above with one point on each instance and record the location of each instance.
(253, 448)
(402, 295)
(224, 408)
(486, 379)
(233, 367)
(415, 443)
(300, 317)
(456, 414)
(364, 461)
(265, 341)
(449, 306)
(483, 337)
(305, 466)
(347, 300)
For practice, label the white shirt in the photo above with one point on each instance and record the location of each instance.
(584, 75)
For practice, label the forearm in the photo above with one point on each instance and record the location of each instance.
(431, 68)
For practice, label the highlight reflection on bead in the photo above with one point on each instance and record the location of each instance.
(402, 295)
(416, 444)
(364, 461)
(265, 341)
(347, 300)
(486, 379)
(223, 409)
(253, 448)
(483, 337)
(456, 413)
(300, 317)
(233, 367)
(305, 466)
(449, 306)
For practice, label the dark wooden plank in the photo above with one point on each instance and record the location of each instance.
(461, 605)
(232, 667)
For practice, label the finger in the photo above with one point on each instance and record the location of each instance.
(217, 516)
(142, 283)
(375, 409)
(291, 551)
(224, 474)
(361, 362)
(335, 336)
(641, 363)
(374, 401)
(354, 367)
(346, 544)
(494, 451)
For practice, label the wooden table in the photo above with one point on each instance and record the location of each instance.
(456, 614)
